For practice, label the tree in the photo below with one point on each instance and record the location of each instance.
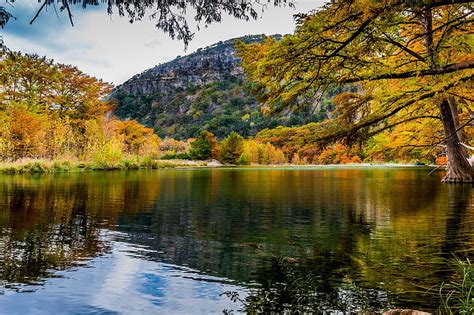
(231, 148)
(204, 147)
(25, 132)
(136, 138)
(50, 110)
(48, 87)
(412, 59)
(169, 15)
(261, 153)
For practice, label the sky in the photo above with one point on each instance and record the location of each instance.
(112, 49)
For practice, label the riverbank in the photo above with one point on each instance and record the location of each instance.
(38, 166)
(348, 165)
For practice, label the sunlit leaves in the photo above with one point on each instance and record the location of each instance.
(385, 48)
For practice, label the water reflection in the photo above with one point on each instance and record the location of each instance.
(345, 239)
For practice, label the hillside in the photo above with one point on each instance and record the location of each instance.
(203, 90)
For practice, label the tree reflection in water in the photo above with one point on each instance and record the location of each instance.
(55, 222)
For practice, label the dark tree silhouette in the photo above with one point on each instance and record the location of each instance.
(170, 15)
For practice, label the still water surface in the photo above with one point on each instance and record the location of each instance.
(174, 241)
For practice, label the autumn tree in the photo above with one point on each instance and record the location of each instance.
(45, 86)
(261, 153)
(411, 59)
(136, 138)
(50, 110)
(231, 148)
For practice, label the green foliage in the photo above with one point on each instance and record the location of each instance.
(231, 149)
(203, 146)
(29, 166)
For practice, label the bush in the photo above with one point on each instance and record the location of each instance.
(109, 154)
(243, 159)
(62, 166)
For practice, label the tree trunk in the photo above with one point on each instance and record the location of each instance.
(458, 169)
(454, 111)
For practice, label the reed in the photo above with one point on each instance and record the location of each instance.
(457, 295)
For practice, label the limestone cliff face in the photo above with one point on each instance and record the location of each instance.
(205, 66)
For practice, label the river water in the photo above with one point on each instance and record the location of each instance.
(212, 240)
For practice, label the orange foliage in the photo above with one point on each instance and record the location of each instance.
(441, 160)
(337, 154)
(52, 110)
(26, 133)
(136, 138)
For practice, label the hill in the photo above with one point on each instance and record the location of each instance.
(203, 90)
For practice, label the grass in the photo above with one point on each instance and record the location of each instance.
(38, 166)
(457, 296)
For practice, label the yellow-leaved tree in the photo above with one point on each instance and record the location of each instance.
(412, 59)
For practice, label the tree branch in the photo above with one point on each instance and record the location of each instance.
(351, 38)
(410, 74)
(373, 133)
(66, 5)
(402, 47)
(466, 146)
(439, 3)
(38, 12)
(375, 120)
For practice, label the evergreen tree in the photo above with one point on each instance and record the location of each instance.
(231, 149)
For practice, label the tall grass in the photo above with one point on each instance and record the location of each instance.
(457, 296)
(35, 166)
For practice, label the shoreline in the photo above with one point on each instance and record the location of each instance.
(348, 165)
(41, 166)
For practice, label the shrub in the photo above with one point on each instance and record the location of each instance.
(110, 153)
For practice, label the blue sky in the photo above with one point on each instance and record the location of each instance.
(111, 48)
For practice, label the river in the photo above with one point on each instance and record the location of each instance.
(188, 241)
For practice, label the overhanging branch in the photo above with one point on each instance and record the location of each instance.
(411, 74)
(377, 119)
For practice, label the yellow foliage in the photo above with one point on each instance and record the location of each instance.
(259, 153)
